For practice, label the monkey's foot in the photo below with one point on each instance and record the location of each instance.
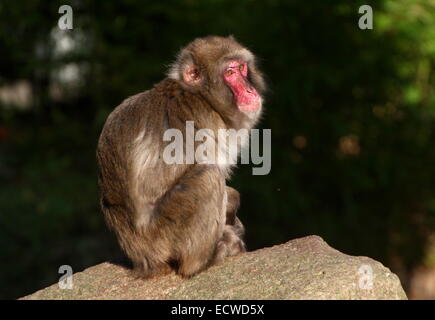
(230, 244)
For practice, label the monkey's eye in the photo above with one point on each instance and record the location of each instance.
(241, 67)
(228, 72)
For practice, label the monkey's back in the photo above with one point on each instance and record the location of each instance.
(131, 172)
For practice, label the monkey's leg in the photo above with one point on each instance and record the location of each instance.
(192, 215)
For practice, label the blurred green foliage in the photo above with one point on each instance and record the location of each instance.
(351, 112)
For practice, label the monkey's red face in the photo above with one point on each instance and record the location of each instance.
(225, 73)
(236, 77)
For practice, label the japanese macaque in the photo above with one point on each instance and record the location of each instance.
(179, 216)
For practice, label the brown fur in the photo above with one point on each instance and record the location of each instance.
(167, 216)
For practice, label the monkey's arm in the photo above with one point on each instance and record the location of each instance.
(232, 205)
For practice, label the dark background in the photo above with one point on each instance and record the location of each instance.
(352, 114)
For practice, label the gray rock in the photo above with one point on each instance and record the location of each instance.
(305, 268)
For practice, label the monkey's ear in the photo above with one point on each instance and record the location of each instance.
(185, 69)
(191, 75)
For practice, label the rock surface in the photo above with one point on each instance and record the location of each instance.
(305, 268)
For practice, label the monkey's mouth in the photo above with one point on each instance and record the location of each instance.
(250, 107)
(247, 98)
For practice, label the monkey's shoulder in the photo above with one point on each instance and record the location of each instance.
(171, 90)
(165, 93)
(167, 88)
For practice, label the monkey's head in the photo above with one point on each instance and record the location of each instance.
(223, 71)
